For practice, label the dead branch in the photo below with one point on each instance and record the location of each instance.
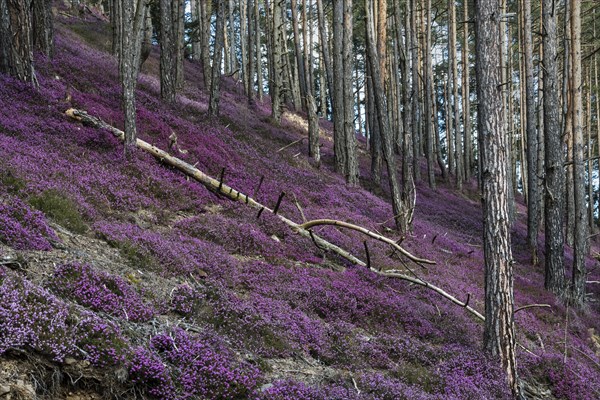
(347, 225)
(290, 145)
(302, 229)
(208, 181)
(531, 306)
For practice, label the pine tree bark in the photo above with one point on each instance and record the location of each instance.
(43, 27)
(415, 95)
(325, 55)
(168, 52)
(580, 225)
(554, 279)
(215, 85)
(132, 21)
(382, 119)
(454, 120)
(276, 80)
(250, 52)
(348, 97)
(468, 152)
(205, 25)
(428, 84)
(533, 198)
(16, 46)
(299, 55)
(339, 138)
(499, 331)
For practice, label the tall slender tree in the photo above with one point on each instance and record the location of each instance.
(215, 80)
(580, 225)
(553, 153)
(533, 198)
(132, 19)
(499, 330)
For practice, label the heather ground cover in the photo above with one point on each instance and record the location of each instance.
(207, 300)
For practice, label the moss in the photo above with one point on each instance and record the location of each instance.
(420, 375)
(60, 209)
(12, 183)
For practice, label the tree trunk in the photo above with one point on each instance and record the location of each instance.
(533, 198)
(339, 139)
(132, 21)
(146, 46)
(116, 14)
(205, 17)
(324, 39)
(313, 131)
(215, 85)
(299, 54)
(454, 101)
(258, 50)
(276, 67)
(580, 225)
(348, 97)
(43, 27)
(468, 152)
(382, 118)
(499, 331)
(16, 47)
(554, 194)
(416, 95)
(168, 52)
(428, 83)
(250, 53)
(178, 20)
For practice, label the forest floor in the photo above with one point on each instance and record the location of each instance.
(122, 278)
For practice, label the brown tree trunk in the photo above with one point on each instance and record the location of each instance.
(299, 56)
(533, 198)
(554, 182)
(454, 101)
(132, 21)
(428, 84)
(499, 330)
(16, 46)
(43, 27)
(348, 97)
(215, 85)
(276, 81)
(168, 51)
(382, 118)
(466, 94)
(580, 225)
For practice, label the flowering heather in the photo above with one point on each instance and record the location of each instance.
(100, 292)
(23, 228)
(203, 371)
(185, 299)
(259, 292)
(32, 317)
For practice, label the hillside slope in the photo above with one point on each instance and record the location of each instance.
(121, 278)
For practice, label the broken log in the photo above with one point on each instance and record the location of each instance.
(302, 229)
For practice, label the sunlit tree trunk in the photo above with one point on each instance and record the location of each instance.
(299, 56)
(168, 51)
(250, 52)
(499, 330)
(416, 95)
(276, 81)
(580, 225)
(428, 84)
(258, 50)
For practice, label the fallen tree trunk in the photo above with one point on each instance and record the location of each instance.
(302, 229)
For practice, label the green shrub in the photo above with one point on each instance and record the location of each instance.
(60, 209)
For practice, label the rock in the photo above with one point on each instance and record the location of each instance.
(70, 361)
(266, 387)
(4, 390)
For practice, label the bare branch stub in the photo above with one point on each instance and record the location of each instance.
(278, 203)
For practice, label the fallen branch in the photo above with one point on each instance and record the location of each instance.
(290, 145)
(531, 306)
(303, 229)
(376, 236)
(209, 182)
